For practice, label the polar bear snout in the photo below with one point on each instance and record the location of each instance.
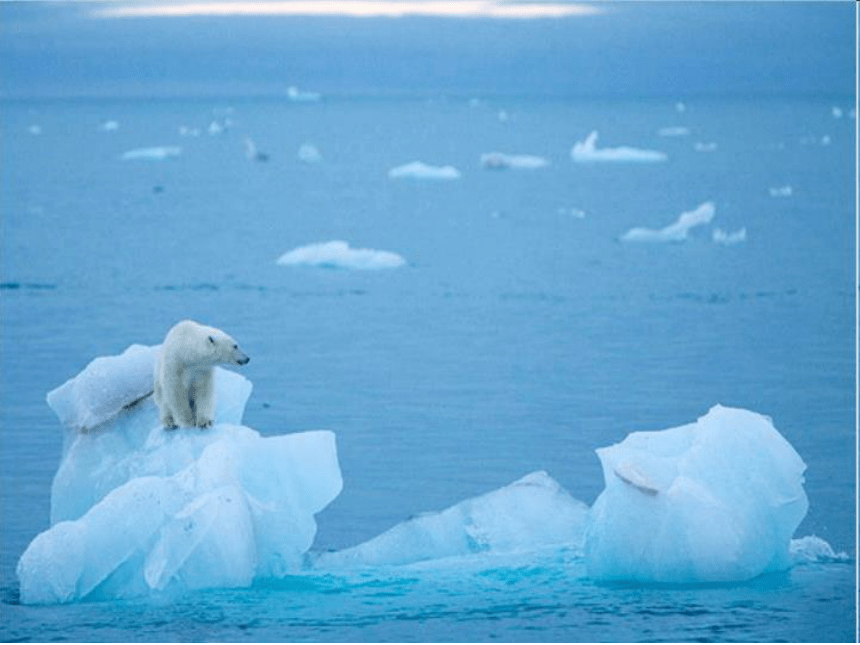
(242, 358)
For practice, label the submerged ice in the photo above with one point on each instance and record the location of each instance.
(136, 509)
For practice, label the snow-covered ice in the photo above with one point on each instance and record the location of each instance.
(421, 170)
(104, 388)
(586, 151)
(137, 509)
(500, 161)
(155, 153)
(309, 153)
(530, 513)
(712, 501)
(338, 254)
(722, 237)
(675, 232)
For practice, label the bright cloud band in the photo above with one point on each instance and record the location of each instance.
(353, 8)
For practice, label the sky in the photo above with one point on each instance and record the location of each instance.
(588, 49)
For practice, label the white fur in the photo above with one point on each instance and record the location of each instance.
(184, 374)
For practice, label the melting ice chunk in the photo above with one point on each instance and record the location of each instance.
(500, 161)
(531, 512)
(712, 501)
(138, 509)
(104, 388)
(587, 151)
(338, 254)
(421, 170)
(675, 232)
(156, 153)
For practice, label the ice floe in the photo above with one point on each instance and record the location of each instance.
(155, 153)
(712, 501)
(722, 237)
(137, 509)
(309, 153)
(530, 513)
(338, 254)
(421, 170)
(675, 232)
(586, 151)
(500, 161)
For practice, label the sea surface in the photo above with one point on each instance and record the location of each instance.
(521, 335)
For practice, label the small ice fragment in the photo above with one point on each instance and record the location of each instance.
(35, 129)
(586, 151)
(215, 128)
(673, 131)
(573, 212)
(156, 153)
(338, 254)
(109, 126)
(302, 96)
(680, 107)
(421, 170)
(309, 153)
(502, 115)
(781, 191)
(500, 160)
(186, 131)
(825, 140)
(675, 232)
(700, 146)
(721, 237)
(836, 112)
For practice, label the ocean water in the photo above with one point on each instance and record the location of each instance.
(518, 337)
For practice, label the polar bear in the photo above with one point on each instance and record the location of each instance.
(184, 373)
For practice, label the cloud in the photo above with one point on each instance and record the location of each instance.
(352, 8)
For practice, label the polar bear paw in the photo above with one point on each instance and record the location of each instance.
(204, 423)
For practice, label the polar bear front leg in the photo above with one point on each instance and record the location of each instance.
(177, 403)
(204, 398)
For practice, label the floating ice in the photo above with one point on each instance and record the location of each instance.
(781, 191)
(673, 131)
(705, 147)
(836, 112)
(302, 96)
(421, 170)
(675, 232)
(573, 212)
(813, 549)
(109, 126)
(502, 116)
(530, 513)
(680, 107)
(215, 128)
(35, 129)
(251, 151)
(712, 501)
(156, 153)
(586, 152)
(338, 254)
(721, 237)
(137, 509)
(500, 160)
(104, 387)
(187, 131)
(309, 153)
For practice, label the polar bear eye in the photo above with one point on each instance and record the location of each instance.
(235, 347)
(211, 340)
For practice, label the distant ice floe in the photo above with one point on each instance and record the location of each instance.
(675, 232)
(338, 254)
(421, 170)
(813, 549)
(35, 129)
(109, 126)
(572, 212)
(673, 131)
(530, 513)
(709, 146)
(586, 152)
(309, 153)
(502, 116)
(187, 131)
(680, 107)
(836, 112)
(727, 239)
(251, 151)
(500, 161)
(302, 96)
(781, 191)
(156, 153)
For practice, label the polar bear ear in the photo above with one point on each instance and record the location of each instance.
(211, 340)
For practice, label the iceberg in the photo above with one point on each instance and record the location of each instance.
(721, 237)
(712, 501)
(587, 151)
(337, 254)
(421, 170)
(156, 153)
(138, 510)
(530, 513)
(675, 232)
(500, 161)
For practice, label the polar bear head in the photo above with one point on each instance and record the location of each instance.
(221, 348)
